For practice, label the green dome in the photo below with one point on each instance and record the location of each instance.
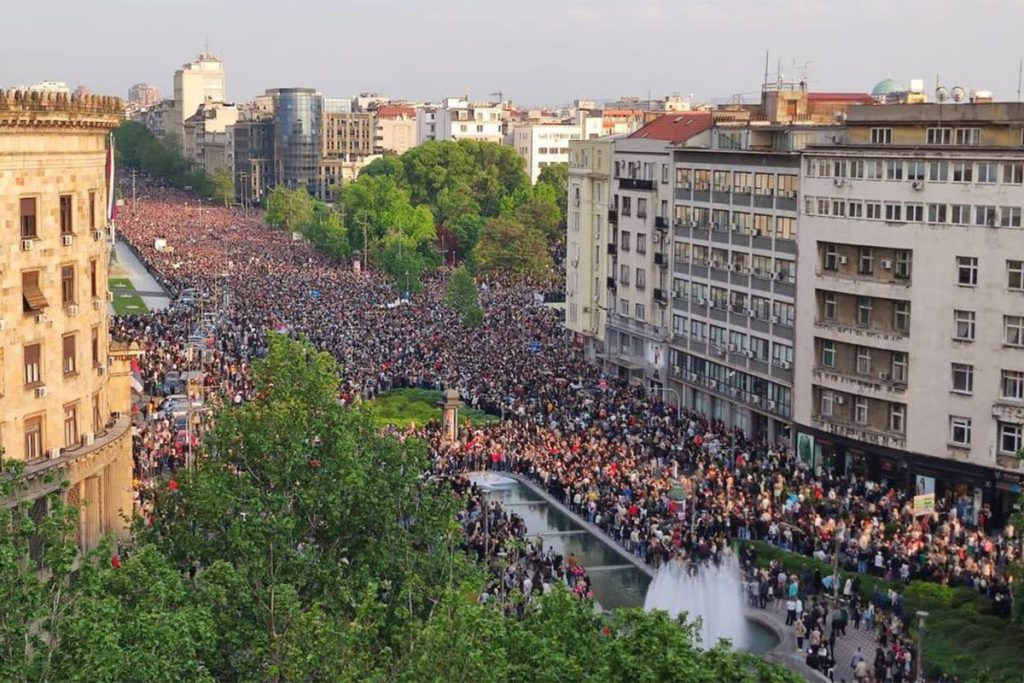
(887, 87)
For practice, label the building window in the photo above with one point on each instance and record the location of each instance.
(960, 214)
(988, 172)
(1013, 330)
(864, 306)
(866, 261)
(960, 431)
(627, 206)
(34, 438)
(881, 136)
(963, 325)
(901, 316)
(899, 367)
(968, 136)
(831, 257)
(624, 275)
(1009, 216)
(95, 347)
(71, 425)
(897, 417)
(863, 360)
(828, 353)
(893, 212)
(624, 241)
(903, 258)
(915, 212)
(641, 207)
(827, 400)
(985, 215)
(33, 364)
(94, 279)
(623, 307)
(33, 300)
(1013, 173)
(1011, 438)
(92, 209)
(860, 411)
(66, 214)
(1012, 385)
(936, 213)
(641, 278)
(641, 243)
(67, 285)
(638, 312)
(1015, 275)
(70, 360)
(963, 172)
(963, 378)
(830, 305)
(894, 169)
(939, 136)
(873, 210)
(967, 271)
(938, 171)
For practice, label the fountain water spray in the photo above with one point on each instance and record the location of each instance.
(714, 593)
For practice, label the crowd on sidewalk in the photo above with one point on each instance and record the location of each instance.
(609, 451)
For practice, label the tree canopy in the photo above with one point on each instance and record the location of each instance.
(136, 147)
(507, 245)
(461, 294)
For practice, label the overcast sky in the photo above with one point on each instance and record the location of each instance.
(535, 51)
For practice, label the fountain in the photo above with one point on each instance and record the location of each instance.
(714, 594)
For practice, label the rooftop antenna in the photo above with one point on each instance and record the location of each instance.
(765, 82)
(1020, 76)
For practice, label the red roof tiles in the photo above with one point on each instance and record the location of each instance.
(675, 127)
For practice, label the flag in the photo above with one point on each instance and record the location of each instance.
(111, 204)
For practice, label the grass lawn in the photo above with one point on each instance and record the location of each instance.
(403, 407)
(126, 301)
(962, 635)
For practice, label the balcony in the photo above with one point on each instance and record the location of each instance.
(856, 333)
(857, 432)
(613, 216)
(661, 296)
(878, 386)
(635, 184)
(660, 223)
(612, 249)
(612, 284)
(661, 259)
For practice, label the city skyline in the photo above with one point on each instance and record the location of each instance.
(431, 50)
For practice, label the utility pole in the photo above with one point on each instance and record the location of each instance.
(921, 616)
(135, 200)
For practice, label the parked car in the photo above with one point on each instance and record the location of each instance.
(172, 383)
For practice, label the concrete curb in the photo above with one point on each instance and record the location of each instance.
(785, 653)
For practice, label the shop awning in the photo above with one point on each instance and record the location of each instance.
(34, 298)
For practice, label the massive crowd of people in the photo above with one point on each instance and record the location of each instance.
(614, 454)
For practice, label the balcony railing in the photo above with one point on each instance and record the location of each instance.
(661, 223)
(613, 249)
(661, 259)
(611, 282)
(661, 296)
(635, 184)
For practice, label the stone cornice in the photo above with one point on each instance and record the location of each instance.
(33, 110)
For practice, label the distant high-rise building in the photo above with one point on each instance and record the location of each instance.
(195, 83)
(143, 94)
(81, 91)
(298, 127)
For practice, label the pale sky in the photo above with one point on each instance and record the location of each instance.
(534, 51)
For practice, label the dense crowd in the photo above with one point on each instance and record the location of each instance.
(611, 452)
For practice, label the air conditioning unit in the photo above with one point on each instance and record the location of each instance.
(840, 400)
(716, 264)
(101, 370)
(918, 185)
(886, 264)
(714, 226)
(26, 245)
(776, 320)
(97, 304)
(701, 301)
(756, 400)
(54, 453)
(71, 310)
(736, 392)
(771, 405)
(785, 365)
(693, 377)
(41, 391)
(88, 439)
(97, 235)
(838, 182)
(842, 260)
(712, 384)
(732, 348)
(41, 318)
(67, 240)
(677, 369)
(750, 354)
(884, 376)
(750, 312)
(693, 224)
(737, 266)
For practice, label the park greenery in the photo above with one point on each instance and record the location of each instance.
(406, 407)
(305, 545)
(138, 148)
(462, 296)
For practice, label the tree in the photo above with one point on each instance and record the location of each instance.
(507, 245)
(540, 212)
(325, 232)
(461, 295)
(223, 186)
(289, 209)
(555, 178)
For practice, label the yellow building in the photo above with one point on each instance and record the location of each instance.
(64, 393)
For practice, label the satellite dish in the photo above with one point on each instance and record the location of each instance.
(840, 116)
(941, 94)
(958, 93)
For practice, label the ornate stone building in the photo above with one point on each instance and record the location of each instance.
(64, 391)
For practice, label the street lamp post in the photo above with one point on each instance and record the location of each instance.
(921, 616)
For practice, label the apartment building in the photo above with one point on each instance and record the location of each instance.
(544, 144)
(396, 129)
(205, 135)
(638, 279)
(65, 401)
(587, 254)
(910, 314)
(194, 83)
(347, 142)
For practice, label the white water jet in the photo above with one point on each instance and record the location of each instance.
(714, 594)
(491, 482)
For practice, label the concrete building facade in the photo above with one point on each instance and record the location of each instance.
(65, 400)
(910, 316)
(544, 144)
(143, 94)
(195, 83)
(395, 129)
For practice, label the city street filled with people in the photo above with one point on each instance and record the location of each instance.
(613, 454)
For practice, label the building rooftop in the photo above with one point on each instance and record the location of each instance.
(849, 97)
(394, 111)
(675, 127)
(887, 86)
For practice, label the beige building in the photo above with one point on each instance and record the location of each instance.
(347, 142)
(396, 129)
(910, 314)
(205, 135)
(587, 259)
(195, 83)
(64, 392)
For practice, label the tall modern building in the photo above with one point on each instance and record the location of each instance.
(194, 83)
(910, 313)
(544, 144)
(298, 127)
(143, 95)
(346, 142)
(65, 406)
